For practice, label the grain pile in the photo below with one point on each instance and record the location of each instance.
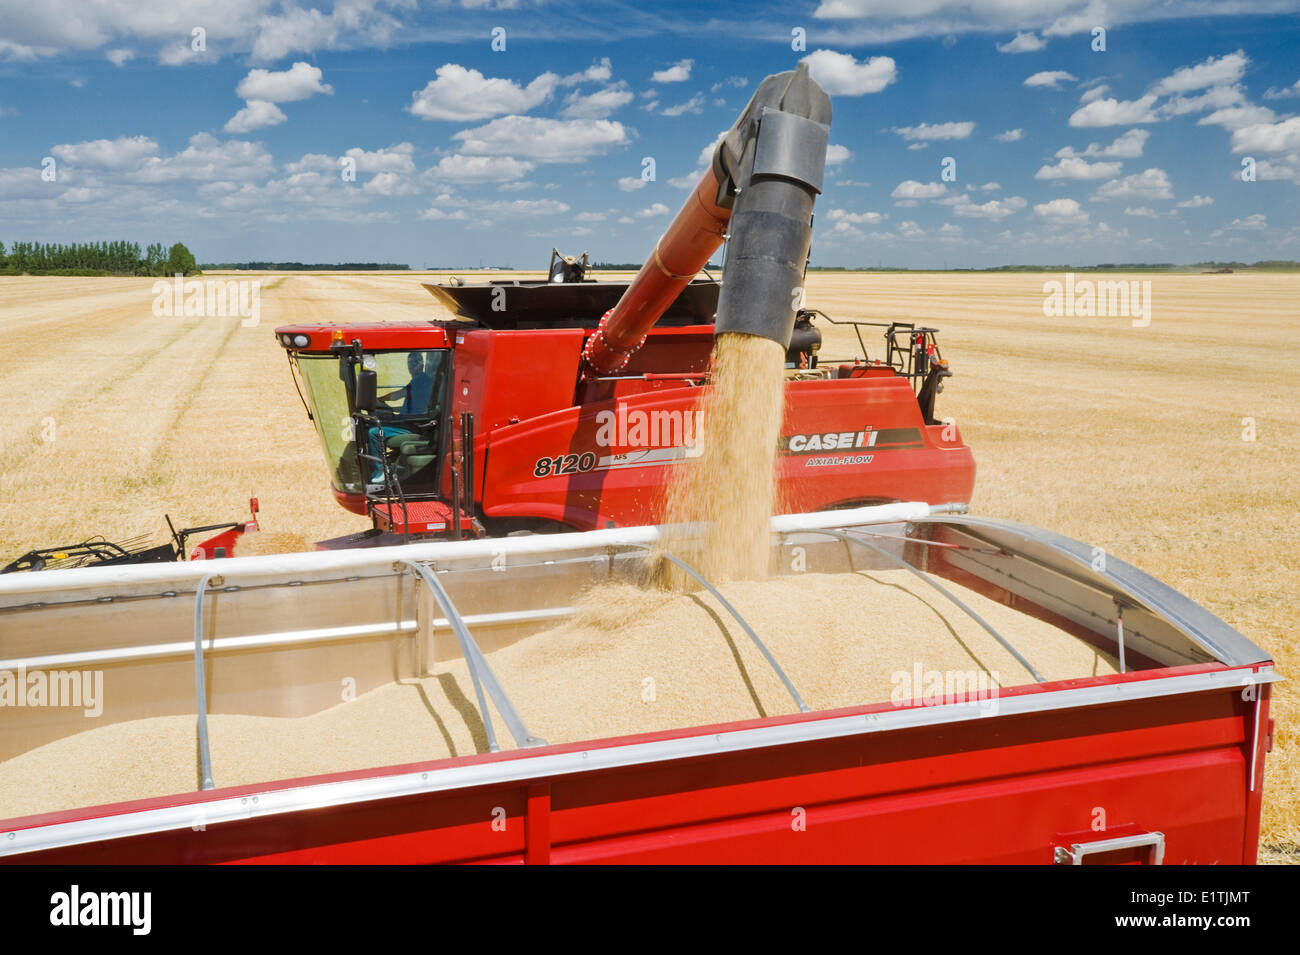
(732, 484)
(634, 661)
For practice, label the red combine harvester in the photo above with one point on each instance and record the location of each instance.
(564, 404)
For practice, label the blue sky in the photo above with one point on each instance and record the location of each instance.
(463, 153)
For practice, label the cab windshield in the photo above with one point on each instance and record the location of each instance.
(411, 387)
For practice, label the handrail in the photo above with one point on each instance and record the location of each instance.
(803, 707)
(480, 672)
(937, 586)
(200, 686)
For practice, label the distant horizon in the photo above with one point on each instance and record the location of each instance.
(1262, 265)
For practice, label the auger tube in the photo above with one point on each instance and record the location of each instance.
(765, 174)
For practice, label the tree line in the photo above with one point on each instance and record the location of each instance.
(95, 258)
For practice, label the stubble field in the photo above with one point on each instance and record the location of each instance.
(1133, 439)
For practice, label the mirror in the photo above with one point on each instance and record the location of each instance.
(367, 390)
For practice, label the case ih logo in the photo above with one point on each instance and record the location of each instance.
(828, 441)
(649, 429)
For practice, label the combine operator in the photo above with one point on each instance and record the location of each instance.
(416, 396)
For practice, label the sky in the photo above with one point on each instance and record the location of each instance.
(966, 133)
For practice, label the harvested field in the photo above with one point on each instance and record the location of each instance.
(1128, 438)
(631, 661)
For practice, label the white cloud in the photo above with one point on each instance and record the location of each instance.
(735, 82)
(1257, 221)
(1010, 136)
(496, 209)
(994, 209)
(464, 95)
(524, 207)
(1061, 211)
(461, 168)
(911, 189)
(313, 162)
(596, 105)
(590, 217)
(1145, 212)
(299, 30)
(256, 114)
(1113, 112)
(1023, 43)
(1150, 184)
(632, 183)
(1217, 97)
(856, 218)
(119, 57)
(543, 140)
(1196, 202)
(391, 184)
(893, 20)
(300, 81)
(1050, 78)
(1275, 93)
(1071, 168)
(23, 53)
(396, 158)
(1238, 117)
(693, 105)
(125, 152)
(1097, 92)
(1126, 146)
(180, 54)
(208, 159)
(658, 209)
(837, 154)
(839, 74)
(599, 72)
(679, 72)
(929, 131)
(1268, 137)
(1214, 71)
(436, 213)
